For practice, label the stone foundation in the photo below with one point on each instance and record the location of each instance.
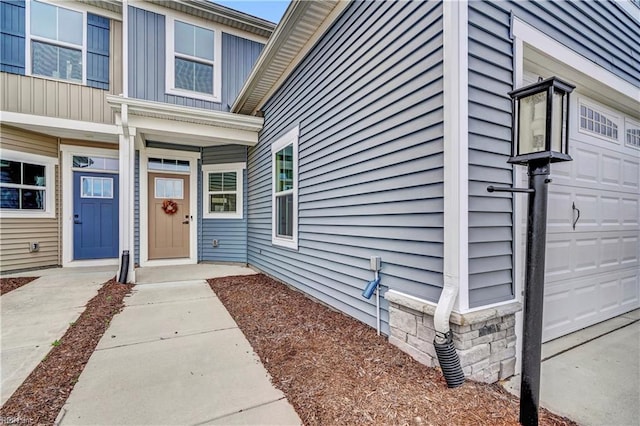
(485, 340)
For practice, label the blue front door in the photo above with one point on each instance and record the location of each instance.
(95, 215)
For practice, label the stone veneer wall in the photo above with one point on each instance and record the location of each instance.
(485, 340)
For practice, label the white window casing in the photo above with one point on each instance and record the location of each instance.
(288, 241)
(215, 61)
(49, 164)
(631, 133)
(207, 193)
(597, 121)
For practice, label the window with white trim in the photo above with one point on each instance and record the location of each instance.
(598, 122)
(632, 134)
(56, 40)
(223, 191)
(284, 159)
(193, 60)
(26, 185)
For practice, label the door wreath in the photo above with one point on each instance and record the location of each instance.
(170, 207)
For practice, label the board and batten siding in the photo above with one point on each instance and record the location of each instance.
(17, 233)
(39, 96)
(230, 233)
(599, 31)
(368, 100)
(147, 62)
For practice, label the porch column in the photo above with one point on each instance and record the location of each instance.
(127, 191)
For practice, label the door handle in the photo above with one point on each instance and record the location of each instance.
(186, 220)
(577, 218)
(76, 219)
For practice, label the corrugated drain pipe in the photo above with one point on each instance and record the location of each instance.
(443, 342)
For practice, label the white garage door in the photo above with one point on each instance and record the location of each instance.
(592, 269)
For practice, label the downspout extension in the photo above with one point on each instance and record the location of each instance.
(443, 342)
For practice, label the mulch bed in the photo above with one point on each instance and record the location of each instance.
(336, 371)
(8, 284)
(39, 399)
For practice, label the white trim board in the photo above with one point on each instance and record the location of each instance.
(456, 151)
(66, 220)
(193, 158)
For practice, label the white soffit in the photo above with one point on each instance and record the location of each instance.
(301, 26)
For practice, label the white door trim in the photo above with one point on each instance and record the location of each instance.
(193, 158)
(68, 151)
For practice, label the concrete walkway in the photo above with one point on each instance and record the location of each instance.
(593, 376)
(174, 355)
(35, 315)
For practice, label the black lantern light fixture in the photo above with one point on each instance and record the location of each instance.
(540, 121)
(540, 136)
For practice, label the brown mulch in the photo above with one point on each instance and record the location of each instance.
(336, 371)
(8, 284)
(39, 399)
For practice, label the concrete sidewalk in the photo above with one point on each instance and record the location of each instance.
(593, 376)
(174, 355)
(37, 314)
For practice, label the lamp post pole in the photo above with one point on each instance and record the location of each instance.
(534, 291)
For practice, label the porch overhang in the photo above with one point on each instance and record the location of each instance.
(181, 125)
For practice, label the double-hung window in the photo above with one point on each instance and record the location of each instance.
(193, 60)
(26, 185)
(284, 158)
(223, 191)
(56, 41)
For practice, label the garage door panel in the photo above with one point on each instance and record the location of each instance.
(580, 255)
(576, 302)
(630, 211)
(631, 175)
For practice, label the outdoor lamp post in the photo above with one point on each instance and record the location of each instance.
(540, 136)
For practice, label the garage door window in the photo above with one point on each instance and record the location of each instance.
(632, 135)
(598, 123)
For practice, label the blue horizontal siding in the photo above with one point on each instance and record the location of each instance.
(230, 233)
(368, 102)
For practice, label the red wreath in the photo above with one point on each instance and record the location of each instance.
(170, 207)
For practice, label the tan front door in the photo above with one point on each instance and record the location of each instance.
(168, 233)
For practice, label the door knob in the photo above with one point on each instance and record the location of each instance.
(76, 219)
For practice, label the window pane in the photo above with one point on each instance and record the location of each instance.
(284, 215)
(56, 62)
(182, 166)
(155, 164)
(284, 169)
(184, 38)
(97, 187)
(215, 181)
(222, 203)
(33, 175)
(184, 74)
(10, 171)
(204, 43)
(111, 164)
(107, 188)
(32, 199)
(86, 188)
(194, 76)
(69, 26)
(44, 20)
(204, 78)
(169, 188)
(229, 181)
(9, 198)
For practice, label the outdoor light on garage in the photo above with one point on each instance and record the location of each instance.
(540, 122)
(540, 136)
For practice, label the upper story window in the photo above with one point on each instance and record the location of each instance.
(193, 60)
(56, 35)
(26, 185)
(57, 42)
(284, 210)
